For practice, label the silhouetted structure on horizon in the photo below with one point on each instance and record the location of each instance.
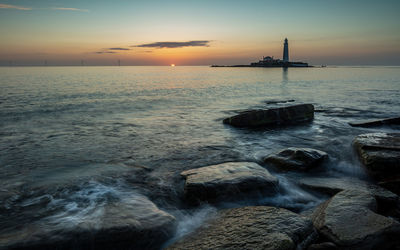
(286, 51)
(269, 61)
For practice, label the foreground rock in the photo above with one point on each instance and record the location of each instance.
(349, 220)
(296, 158)
(223, 181)
(135, 223)
(378, 122)
(332, 186)
(251, 228)
(380, 155)
(271, 117)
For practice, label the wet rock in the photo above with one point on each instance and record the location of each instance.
(251, 228)
(392, 184)
(224, 181)
(130, 224)
(332, 186)
(323, 246)
(379, 153)
(378, 122)
(272, 117)
(296, 158)
(349, 220)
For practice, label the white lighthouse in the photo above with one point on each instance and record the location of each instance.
(286, 51)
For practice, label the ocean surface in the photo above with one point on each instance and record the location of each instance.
(74, 138)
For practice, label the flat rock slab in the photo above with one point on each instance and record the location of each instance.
(223, 181)
(349, 220)
(134, 223)
(379, 153)
(296, 158)
(332, 186)
(272, 117)
(377, 122)
(258, 227)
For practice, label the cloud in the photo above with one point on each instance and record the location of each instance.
(175, 44)
(70, 9)
(118, 49)
(8, 6)
(105, 52)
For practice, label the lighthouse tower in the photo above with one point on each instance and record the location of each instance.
(286, 51)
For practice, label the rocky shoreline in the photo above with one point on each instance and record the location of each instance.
(357, 214)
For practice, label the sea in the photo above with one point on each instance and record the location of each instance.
(73, 139)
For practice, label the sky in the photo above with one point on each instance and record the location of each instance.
(151, 32)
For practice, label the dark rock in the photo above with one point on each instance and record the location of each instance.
(332, 186)
(224, 181)
(392, 184)
(272, 117)
(379, 153)
(323, 246)
(135, 223)
(349, 220)
(296, 158)
(374, 123)
(251, 228)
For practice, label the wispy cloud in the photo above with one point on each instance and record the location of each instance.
(105, 52)
(204, 43)
(70, 9)
(8, 6)
(118, 48)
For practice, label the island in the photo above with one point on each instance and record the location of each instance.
(269, 61)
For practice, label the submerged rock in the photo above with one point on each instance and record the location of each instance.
(258, 227)
(379, 153)
(323, 246)
(332, 186)
(130, 224)
(378, 122)
(349, 220)
(271, 117)
(296, 158)
(223, 181)
(278, 101)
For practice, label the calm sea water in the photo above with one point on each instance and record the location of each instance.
(74, 136)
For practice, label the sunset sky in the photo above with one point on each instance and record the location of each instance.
(340, 32)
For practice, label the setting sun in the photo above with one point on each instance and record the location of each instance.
(172, 65)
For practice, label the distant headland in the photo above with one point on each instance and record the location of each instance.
(269, 61)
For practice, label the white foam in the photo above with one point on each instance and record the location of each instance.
(85, 205)
(189, 221)
(292, 196)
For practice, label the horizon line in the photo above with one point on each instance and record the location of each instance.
(188, 65)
